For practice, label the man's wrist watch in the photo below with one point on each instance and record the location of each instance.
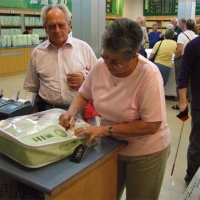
(110, 130)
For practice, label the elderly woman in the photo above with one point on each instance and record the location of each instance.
(127, 91)
(165, 53)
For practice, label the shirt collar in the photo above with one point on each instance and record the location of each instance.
(68, 42)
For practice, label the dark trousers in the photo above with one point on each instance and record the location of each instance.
(193, 153)
(42, 105)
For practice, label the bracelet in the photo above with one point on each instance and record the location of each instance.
(110, 130)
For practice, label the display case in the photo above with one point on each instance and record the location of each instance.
(13, 21)
(10, 22)
(32, 4)
(16, 15)
(34, 21)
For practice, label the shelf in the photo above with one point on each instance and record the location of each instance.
(14, 11)
(18, 19)
(4, 26)
(112, 17)
(161, 21)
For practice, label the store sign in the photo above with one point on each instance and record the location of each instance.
(44, 2)
(34, 2)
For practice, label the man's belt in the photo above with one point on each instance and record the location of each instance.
(43, 105)
(50, 106)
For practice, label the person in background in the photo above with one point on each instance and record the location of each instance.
(28, 30)
(125, 80)
(197, 20)
(140, 20)
(198, 28)
(182, 40)
(154, 36)
(165, 54)
(59, 65)
(169, 26)
(182, 24)
(177, 30)
(190, 70)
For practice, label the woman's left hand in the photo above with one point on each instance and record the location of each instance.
(92, 132)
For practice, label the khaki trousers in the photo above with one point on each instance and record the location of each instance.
(142, 175)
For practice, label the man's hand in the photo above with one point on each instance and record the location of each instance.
(75, 80)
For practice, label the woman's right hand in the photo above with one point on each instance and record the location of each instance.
(64, 120)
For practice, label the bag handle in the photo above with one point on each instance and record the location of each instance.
(187, 36)
(158, 48)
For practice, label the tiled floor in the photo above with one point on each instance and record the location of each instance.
(173, 186)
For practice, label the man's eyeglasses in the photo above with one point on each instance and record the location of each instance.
(54, 26)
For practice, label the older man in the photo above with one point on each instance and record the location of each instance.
(182, 24)
(58, 66)
(177, 30)
(140, 20)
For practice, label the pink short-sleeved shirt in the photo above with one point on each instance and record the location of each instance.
(121, 100)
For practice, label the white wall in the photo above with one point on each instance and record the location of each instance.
(133, 9)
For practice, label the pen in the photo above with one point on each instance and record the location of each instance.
(72, 118)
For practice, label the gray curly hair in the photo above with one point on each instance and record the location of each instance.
(122, 36)
(62, 7)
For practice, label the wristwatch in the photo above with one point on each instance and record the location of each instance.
(110, 130)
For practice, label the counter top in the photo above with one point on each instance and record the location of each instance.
(18, 47)
(46, 178)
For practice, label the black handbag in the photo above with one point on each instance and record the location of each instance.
(154, 57)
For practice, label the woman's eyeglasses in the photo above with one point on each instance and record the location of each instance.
(112, 62)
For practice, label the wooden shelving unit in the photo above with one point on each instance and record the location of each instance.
(162, 22)
(14, 60)
(16, 21)
(110, 18)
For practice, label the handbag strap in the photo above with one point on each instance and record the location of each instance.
(187, 36)
(158, 48)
